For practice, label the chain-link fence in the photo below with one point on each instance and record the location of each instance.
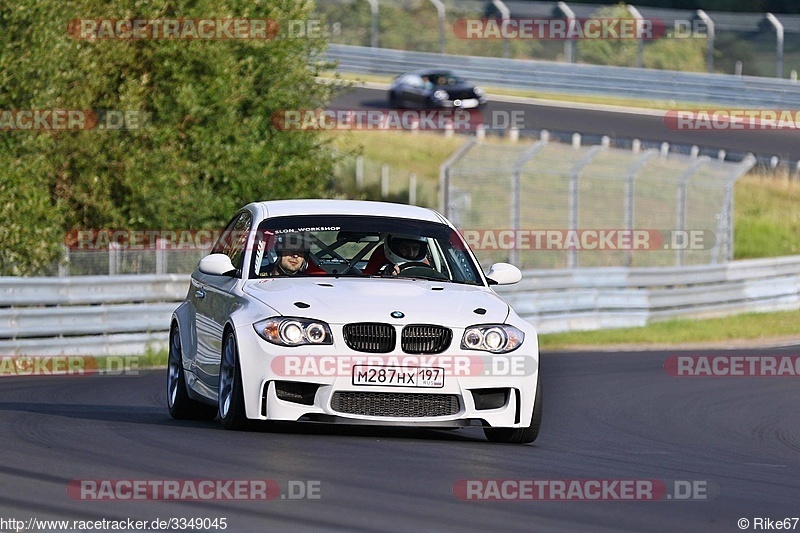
(541, 205)
(114, 260)
(552, 205)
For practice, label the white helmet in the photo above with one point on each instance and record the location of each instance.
(404, 248)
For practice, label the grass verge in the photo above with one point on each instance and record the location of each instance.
(154, 359)
(766, 218)
(756, 327)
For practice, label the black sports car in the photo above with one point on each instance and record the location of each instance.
(433, 88)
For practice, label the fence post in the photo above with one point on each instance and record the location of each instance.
(161, 256)
(63, 266)
(710, 36)
(574, 193)
(505, 14)
(373, 4)
(629, 197)
(113, 258)
(681, 207)
(778, 42)
(639, 40)
(360, 171)
(515, 214)
(384, 180)
(412, 189)
(440, 12)
(444, 175)
(725, 224)
(569, 44)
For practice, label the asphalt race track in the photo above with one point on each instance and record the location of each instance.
(608, 416)
(647, 127)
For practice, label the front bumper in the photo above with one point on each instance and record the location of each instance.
(478, 389)
(466, 103)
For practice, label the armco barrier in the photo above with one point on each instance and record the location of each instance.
(124, 315)
(548, 76)
(87, 315)
(596, 298)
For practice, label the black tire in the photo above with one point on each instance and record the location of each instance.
(231, 396)
(180, 405)
(394, 100)
(520, 435)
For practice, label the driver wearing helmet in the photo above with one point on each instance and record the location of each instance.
(293, 250)
(401, 249)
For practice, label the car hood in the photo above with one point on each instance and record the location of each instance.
(345, 300)
(459, 89)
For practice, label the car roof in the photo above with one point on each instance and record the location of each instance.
(277, 208)
(441, 71)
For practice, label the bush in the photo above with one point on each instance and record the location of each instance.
(664, 53)
(209, 146)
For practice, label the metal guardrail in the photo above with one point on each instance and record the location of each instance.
(131, 313)
(687, 87)
(596, 298)
(87, 315)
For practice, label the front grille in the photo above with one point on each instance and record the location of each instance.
(395, 404)
(464, 94)
(370, 337)
(423, 338)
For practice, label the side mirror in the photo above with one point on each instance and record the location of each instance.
(217, 265)
(503, 274)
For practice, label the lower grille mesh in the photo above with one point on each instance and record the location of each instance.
(395, 404)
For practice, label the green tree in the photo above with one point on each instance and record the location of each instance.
(209, 146)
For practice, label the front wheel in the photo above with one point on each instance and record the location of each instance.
(180, 405)
(395, 101)
(520, 435)
(231, 396)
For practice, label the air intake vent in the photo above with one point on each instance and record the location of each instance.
(394, 404)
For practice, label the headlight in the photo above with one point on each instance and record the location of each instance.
(293, 331)
(441, 95)
(494, 338)
(478, 91)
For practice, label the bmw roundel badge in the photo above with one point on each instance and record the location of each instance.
(397, 314)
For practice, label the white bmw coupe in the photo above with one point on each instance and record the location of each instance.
(352, 312)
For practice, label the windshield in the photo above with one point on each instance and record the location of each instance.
(441, 79)
(346, 245)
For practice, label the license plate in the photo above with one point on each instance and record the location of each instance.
(469, 103)
(398, 376)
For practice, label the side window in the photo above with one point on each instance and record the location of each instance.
(415, 81)
(233, 240)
